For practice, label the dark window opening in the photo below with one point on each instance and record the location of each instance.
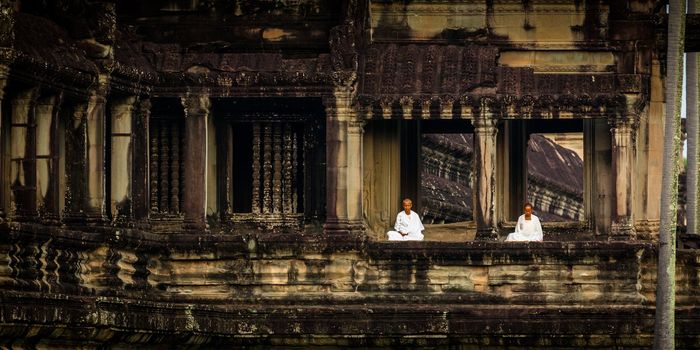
(167, 138)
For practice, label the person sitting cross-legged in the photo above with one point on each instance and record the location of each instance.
(528, 227)
(408, 226)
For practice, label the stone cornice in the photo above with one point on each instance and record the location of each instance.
(502, 106)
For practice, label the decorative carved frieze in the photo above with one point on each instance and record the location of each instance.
(565, 106)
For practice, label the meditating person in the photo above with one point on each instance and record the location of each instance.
(408, 226)
(528, 227)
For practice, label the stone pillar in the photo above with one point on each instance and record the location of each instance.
(355, 174)
(96, 210)
(485, 131)
(22, 156)
(140, 163)
(338, 112)
(195, 162)
(47, 175)
(622, 130)
(4, 183)
(76, 163)
(121, 159)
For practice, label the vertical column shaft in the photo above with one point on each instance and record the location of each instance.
(22, 155)
(337, 113)
(195, 167)
(96, 136)
(485, 131)
(47, 156)
(140, 167)
(76, 162)
(355, 173)
(121, 159)
(623, 157)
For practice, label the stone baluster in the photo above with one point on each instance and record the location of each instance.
(22, 155)
(153, 169)
(175, 162)
(4, 138)
(164, 168)
(485, 130)
(256, 168)
(295, 165)
(195, 160)
(96, 210)
(267, 169)
(277, 169)
(623, 133)
(288, 173)
(121, 159)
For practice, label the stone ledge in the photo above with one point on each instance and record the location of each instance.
(112, 320)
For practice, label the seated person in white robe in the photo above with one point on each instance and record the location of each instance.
(408, 226)
(528, 227)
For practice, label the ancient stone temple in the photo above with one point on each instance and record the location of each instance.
(217, 174)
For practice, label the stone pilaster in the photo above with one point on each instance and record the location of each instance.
(485, 130)
(355, 174)
(96, 210)
(195, 167)
(338, 112)
(23, 155)
(121, 159)
(623, 133)
(140, 168)
(4, 183)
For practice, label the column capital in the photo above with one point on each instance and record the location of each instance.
(4, 72)
(356, 126)
(339, 106)
(196, 105)
(485, 125)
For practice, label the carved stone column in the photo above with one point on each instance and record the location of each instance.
(623, 133)
(23, 155)
(121, 159)
(96, 210)
(140, 144)
(47, 175)
(338, 112)
(76, 163)
(355, 133)
(485, 131)
(195, 165)
(4, 138)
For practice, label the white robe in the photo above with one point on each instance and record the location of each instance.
(526, 230)
(410, 224)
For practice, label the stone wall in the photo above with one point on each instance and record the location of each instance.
(129, 288)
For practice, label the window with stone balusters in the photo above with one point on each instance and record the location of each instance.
(166, 146)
